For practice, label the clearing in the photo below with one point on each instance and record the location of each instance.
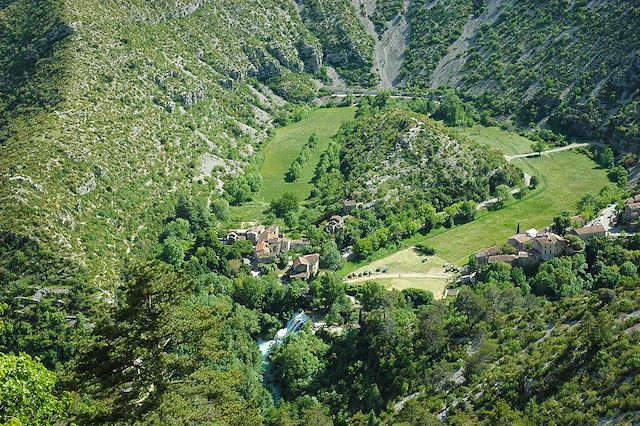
(283, 149)
(494, 137)
(408, 269)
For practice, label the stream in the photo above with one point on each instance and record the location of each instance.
(294, 324)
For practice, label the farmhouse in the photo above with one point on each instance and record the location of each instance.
(520, 241)
(531, 249)
(549, 245)
(631, 209)
(483, 256)
(588, 232)
(305, 267)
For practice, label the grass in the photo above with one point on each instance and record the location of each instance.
(408, 261)
(566, 177)
(280, 153)
(496, 138)
(435, 286)
(287, 144)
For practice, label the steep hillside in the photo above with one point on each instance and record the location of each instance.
(347, 45)
(571, 65)
(110, 109)
(394, 153)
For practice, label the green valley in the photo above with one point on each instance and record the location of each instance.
(282, 150)
(298, 212)
(565, 178)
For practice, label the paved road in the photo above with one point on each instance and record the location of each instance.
(605, 217)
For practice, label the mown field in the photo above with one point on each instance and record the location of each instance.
(283, 149)
(287, 144)
(506, 142)
(408, 269)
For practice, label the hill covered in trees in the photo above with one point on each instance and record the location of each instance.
(393, 153)
(109, 109)
(571, 65)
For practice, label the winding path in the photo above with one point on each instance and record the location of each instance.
(527, 177)
(547, 152)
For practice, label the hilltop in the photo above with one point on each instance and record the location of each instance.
(395, 153)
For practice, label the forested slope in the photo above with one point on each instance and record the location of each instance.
(394, 153)
(571, 65)
(111, 108)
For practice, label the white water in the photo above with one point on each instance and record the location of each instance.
(294, 324)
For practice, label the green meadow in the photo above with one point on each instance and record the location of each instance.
(283, 149)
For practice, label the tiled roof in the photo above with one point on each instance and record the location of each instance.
(590, 230)
(521, 238)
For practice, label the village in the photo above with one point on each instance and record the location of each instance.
(529, 248)
(269, 243)
(524, 249)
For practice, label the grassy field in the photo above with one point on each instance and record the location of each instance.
(280, 153)
(434, 285)
(287, 144)
(566, 177)
(494, 137)
(408, 260)
(434, 277)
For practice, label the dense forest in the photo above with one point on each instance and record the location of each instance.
(558, 343)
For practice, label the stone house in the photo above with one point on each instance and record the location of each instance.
(549, 245)
(268, 242)
(483, 256)
(349, 205)
(588, 232)
(305, 267)
(520, 242)
(631, 209)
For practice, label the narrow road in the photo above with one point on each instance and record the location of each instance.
(527, 177)
(339, 93)
(549, 151)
